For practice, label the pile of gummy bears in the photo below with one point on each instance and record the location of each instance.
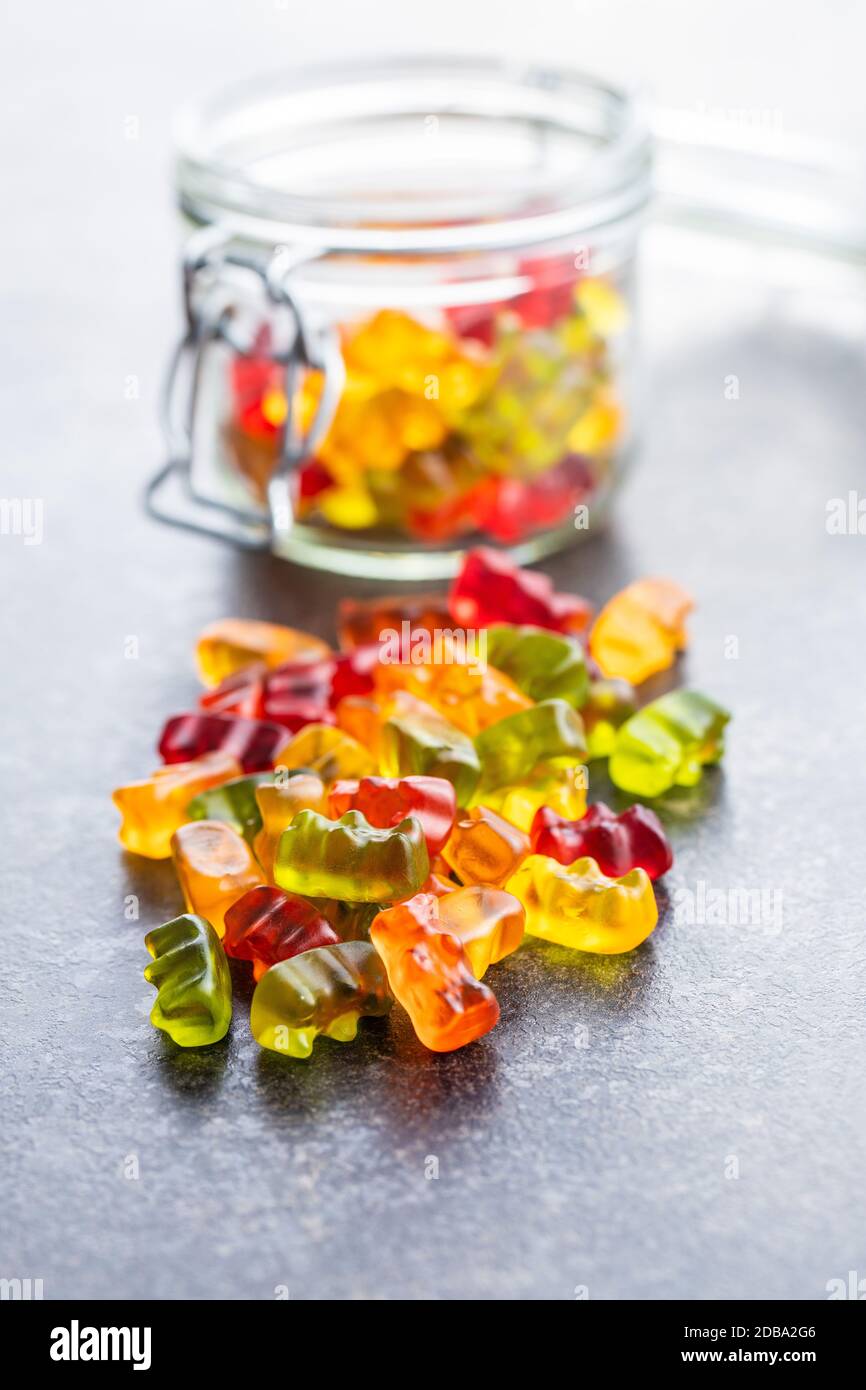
(498, 419)
(384, 822)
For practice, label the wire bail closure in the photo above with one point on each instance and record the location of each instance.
(214, 297)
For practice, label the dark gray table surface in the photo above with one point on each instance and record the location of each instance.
(590, 1140)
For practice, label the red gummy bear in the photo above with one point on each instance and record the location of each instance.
(252, 377)
(510, 508)
(552, 294)
(491, 589)
(632, 840)
(254, 742)
(267, 925)
(297, 693)
(353, 672)
(386, 801)
(241, 693)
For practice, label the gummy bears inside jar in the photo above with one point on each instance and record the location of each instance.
(477, 422)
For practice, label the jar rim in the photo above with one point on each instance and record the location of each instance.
(580, 148)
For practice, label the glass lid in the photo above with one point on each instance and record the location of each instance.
(414, 156)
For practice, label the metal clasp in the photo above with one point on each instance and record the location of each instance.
(220, 284)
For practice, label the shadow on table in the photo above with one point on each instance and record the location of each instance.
(153, 882)
(193, 1073)
(382, 1077)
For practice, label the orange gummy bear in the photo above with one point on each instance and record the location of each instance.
(215, 866)
(429, 973)
(488, 922)
(471, 697)
(485, 848)
(154, 808)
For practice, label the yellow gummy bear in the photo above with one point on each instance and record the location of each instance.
(488, 923)
(561, 788)
(279, 804)
(330, 752)
(577, 905)
(605, 309)
(640, 630)
(597, 428)
(230, 644)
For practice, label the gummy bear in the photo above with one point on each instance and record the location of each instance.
(241, 693)
(354, 672)
(215, 868)
(545, 665)
(416, 738)
(488, 923)
(485, 849)
(232, 643)
(430, 975)
(667, 743)
(298, 693)
(234, 803)
(549, 784)
(155, 807)
(191, 974)
(351, 860)
(471, 697)
(491, 589)
(363, 621)
(255, 743)
(385, 801)
(278, 805)
(640, 630)
(329, 752)
(267, 925)
(323, 991)
(632, 840)
(578, 906)
(511, 750)
(361, 718)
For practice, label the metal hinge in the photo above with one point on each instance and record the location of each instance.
(220, 284)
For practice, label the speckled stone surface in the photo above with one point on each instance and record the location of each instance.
(687, 1120)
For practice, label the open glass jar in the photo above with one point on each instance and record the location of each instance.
(409, 291)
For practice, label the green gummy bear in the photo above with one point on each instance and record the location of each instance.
(351, 860)
(544, 665)
(351, 921)
(610, 703)
(420, 741)
(512, 748)
(541, 388)
(234, 803)
(325, 990)
(191, 975)
(667, 743)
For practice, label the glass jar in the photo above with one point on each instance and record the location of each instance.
(409, 291)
